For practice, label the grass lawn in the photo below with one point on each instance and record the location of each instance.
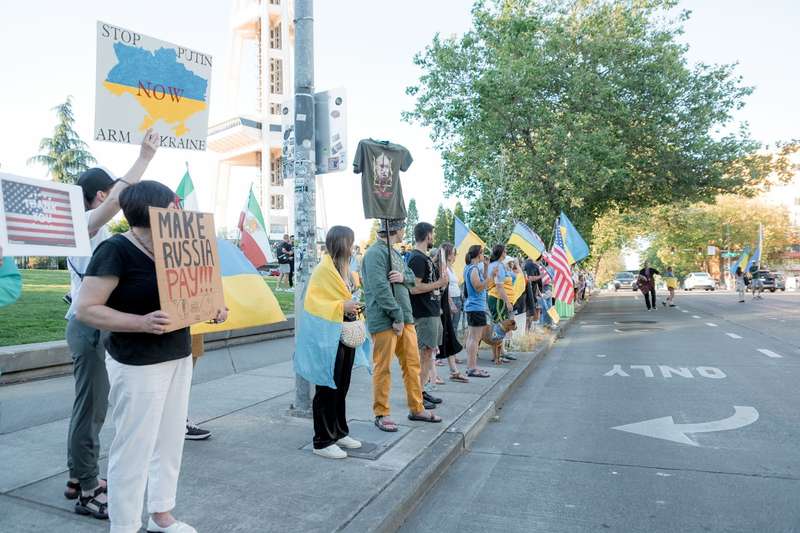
(38, 315)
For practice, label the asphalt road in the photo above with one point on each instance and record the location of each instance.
(717, 385)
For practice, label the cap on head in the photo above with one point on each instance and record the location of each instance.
(94, 180)
(395, 224)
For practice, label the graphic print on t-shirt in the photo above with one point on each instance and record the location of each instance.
(382, 176)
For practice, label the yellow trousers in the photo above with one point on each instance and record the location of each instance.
(385, 344)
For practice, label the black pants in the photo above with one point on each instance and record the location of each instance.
(291, 274)
(330, 419)
(650, 297)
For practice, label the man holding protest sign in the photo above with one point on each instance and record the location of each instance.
(149, 364)
(101, 195)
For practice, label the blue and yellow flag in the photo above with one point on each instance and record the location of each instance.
(743, 261)
(464, 238)
(518, 289)
(319, 326)
(527, 240)
(249, 300)
(574, 245)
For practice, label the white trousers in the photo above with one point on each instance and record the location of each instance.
(149, 404)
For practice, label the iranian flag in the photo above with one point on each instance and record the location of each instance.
(255, 242)
(187, 194)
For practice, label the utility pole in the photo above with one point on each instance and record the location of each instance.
(305, 250)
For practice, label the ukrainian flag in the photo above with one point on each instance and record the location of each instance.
(527, 240)
(464, 238)
(518, 288)
(743, 261)
(551, 311)
(249, 300)
(575, 247)
(319, 326)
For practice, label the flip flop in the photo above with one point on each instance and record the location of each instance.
(477, 373)
(387, 426)
(459, 377)
(422, 418)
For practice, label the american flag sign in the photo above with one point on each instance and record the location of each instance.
(564, 290)
(38, 219)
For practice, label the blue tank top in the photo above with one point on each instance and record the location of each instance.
(476, 301)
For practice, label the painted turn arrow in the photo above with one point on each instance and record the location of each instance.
(666, 428)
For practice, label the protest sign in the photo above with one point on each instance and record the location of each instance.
(187, 265)
(144, 83)
(42, 218)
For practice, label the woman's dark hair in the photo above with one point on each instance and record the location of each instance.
(497, 252)
(472, 252)
(738, 270)
(339, 244)
(137, 199)
(437, 254)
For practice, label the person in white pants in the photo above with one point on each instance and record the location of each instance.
(149, 370)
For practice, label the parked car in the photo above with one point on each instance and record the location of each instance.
(623, 280)
(699, 280)
(780, 282)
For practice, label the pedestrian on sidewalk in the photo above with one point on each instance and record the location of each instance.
(532, 294)
(387, 280)
(475, 306)
(454, 290)
(647, 284)
(672, 284)
(101, 195)
(426, 306)
(501, 287)
(149, 370)
(321, 356)
(285, 253)
(450, 346)
(740, 283)
(193, 431)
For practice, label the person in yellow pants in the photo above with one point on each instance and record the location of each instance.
(672, 284)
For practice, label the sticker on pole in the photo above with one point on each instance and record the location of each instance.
(144, 83)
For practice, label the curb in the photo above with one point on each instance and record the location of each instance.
(388, 510)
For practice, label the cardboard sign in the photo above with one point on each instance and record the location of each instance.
(187, 265)
(143, 83)
(42, 218)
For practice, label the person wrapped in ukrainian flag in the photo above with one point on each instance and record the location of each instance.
(320, 355)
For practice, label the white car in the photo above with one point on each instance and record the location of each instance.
(699, 280)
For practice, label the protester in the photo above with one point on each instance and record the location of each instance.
(426, 305)
(647, 284)
(449, 346)
(387, 280)
(756, 283)
(740, 284)
(193, 431)
(149, 370)
(101, 198)
(500, 285)
(456, 303)
(285, 253)
(534, 290)
(10, 280)
(326, 361)
(672, 284)
(475, 306)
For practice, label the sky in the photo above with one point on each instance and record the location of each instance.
(47, 51)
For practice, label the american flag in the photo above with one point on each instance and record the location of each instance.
(37, 215)
(545, 272)
(563, 275)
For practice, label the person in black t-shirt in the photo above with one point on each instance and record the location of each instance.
(285, 253)
(149, 370)
(532, 293)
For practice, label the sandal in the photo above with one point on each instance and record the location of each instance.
(385, 425)
(459, 361)
(428, 417)
(438, 381)
(458, 376)
(73, 490)
(89, 505)
(477, 373)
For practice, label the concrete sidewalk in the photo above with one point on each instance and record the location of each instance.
(257, 472)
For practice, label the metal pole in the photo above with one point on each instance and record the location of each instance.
(305, 256)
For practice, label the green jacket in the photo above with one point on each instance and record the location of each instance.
(383, 307)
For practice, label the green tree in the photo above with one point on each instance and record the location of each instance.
(373, 234)
(412, 218)
(443, 226)
(458, 212)
(119, 225)
(582, 106)
(64, 154)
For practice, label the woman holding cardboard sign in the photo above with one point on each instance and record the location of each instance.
(149, 369)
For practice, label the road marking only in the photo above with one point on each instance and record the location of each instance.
(733, 335)
(711, 324)
(684, 311)
(695, 316)
(770, 353)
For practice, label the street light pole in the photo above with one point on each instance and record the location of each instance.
(305, 256)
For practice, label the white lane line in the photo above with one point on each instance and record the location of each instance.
(711, 324)
(770, 353)
(733, 335)
(601, 355)
(695, 316)
(684, 311)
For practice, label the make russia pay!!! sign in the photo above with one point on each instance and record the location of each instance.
(187, 265)
(144, 83)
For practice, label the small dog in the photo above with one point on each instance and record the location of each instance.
(494, 334)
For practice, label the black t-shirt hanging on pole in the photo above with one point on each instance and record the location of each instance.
(380, 164)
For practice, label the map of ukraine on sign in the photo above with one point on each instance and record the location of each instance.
(144, 83)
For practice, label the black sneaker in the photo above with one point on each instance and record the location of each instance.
(432, 399)
(195, 433)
